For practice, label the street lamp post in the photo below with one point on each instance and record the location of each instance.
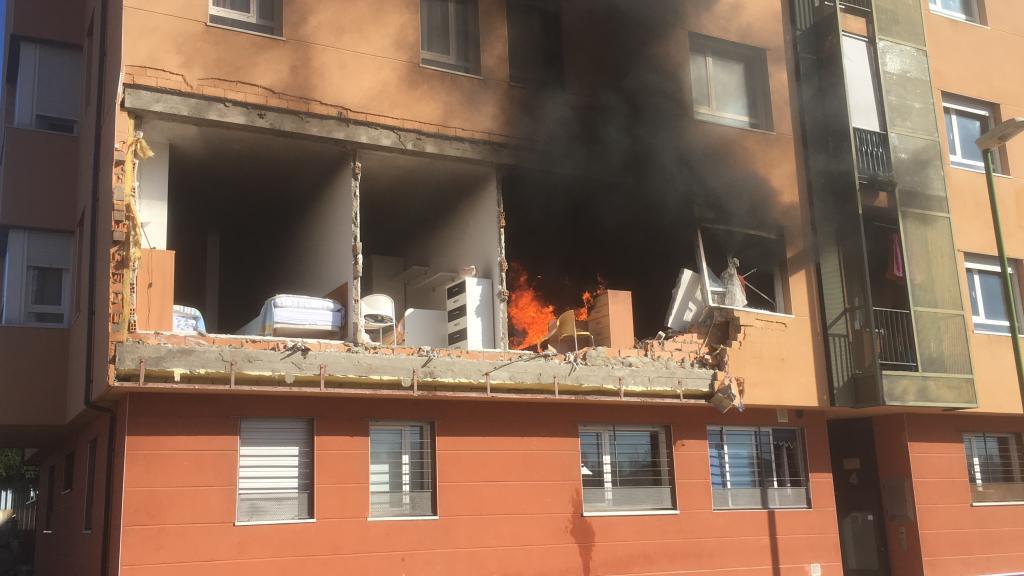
(989, 143)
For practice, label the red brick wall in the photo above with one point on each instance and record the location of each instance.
(508, 496)
(958, 539)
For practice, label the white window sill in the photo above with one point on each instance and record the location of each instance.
(401, 518)
(456, 72)
(783, 509)
(987, 504)
(47, 531)
(633, 513)
(707, 120)
(957, 18)
(54, 132)
(755, 311)
(987, 333)
(244, 31)
(979, 171)
(273, 522)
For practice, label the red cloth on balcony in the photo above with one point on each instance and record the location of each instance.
(896, 270)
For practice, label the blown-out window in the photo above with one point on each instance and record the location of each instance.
(263, 16)
(626, 468)
(535, 42)
(49, 89)
(742, 268)
(757, 468)
(729, 83)
(450, 35)
(995, 467)
(401, 470)
(275, 470)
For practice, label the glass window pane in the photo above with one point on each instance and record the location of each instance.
(992, 296)
(237, 5)
(637, 462)
(699, 79)
(957, 6)
(973, 291)
(46, 286)
(970, 127)
(742, 457)
(592, 466)
(732, 94)
(436, 26)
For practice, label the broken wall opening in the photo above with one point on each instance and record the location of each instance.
(430, 244)
(249, 216)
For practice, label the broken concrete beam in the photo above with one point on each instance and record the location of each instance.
(140, 362)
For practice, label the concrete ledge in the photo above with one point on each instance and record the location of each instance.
(140, 99)
(148, 364)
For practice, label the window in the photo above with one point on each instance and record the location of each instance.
(49, 88)
(960, 9)
(861, 83)
(742, 269)
(401, 470)
(966, 121)
(985, 287)
(995, 467)
(730, 83)
(449, 35)
(68, 475)
(535, 43)
(275, 470)
(90, 486)
(757, 468)
(37, 278)
(263, 16)
(51, 481)
(625, 468)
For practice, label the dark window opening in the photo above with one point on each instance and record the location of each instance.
(68, 475)
(535, 43)
(743, 269)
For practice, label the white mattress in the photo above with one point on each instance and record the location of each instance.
(291, 315)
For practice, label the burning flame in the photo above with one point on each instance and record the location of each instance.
(583, 314)
(528, 312)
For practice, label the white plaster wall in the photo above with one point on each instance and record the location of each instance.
(153, 182)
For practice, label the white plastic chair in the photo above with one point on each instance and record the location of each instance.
(379, 313)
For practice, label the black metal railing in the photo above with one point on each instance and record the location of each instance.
(894, 330)
(874, 159)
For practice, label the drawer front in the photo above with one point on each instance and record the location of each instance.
(457, 313)
(458, 336)
(456, 325)
(457, 301)
(456, 289)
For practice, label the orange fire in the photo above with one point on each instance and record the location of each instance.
(528, 312)
(583, 313)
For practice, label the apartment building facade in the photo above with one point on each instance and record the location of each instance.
(274, 272)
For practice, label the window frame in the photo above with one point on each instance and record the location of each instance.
(18, 261)
(67, 473)
(763, 487)
(756, 78)
(450, 63)
(954, 106)
(312, 473)
(975, 264)
(253, 18)
(935, 6)
(26, 90)
(605, 432)
(975, 473)
(777, 271)
(428, 431)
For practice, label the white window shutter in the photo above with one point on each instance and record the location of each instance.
(275, 469)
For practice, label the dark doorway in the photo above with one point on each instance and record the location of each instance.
(858, 497)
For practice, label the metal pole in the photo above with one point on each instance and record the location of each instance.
(1011, 305)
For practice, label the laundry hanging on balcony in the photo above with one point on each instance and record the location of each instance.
(896, 270)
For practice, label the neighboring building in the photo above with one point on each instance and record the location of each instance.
(267, 264)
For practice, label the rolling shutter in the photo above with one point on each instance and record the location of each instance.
(275, 469)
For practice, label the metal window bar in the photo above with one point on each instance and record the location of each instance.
(995, 465)
(401, 470)
(874, 159)
(894, 333)
(757, 468)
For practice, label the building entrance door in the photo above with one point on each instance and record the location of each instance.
(858, 497)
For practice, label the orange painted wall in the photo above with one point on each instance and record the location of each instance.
(508, 496)
(39, 174)
(983, 62)
(33, 379)
(956, 538)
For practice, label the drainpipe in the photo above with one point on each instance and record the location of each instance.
(90, 321)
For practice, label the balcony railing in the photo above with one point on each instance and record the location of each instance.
(894, 330)
(874, 160)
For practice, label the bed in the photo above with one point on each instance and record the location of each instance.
(294, 316)
(188, 320)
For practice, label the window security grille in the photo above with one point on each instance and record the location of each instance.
(757, 468)
(401, 470)
(625, 468)
(995, 467)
